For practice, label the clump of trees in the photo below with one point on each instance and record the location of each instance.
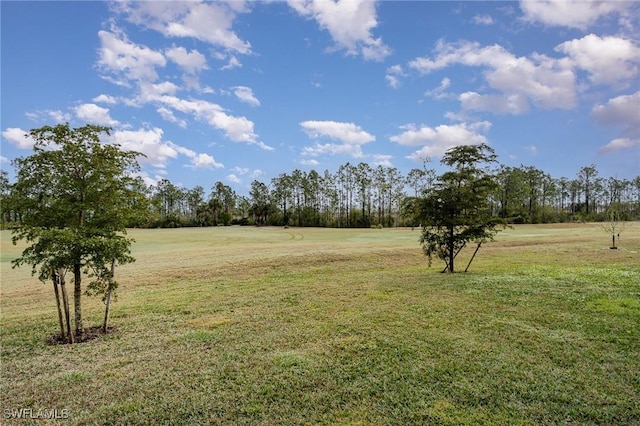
(73, 198)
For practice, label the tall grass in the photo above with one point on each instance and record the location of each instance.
(320, 326)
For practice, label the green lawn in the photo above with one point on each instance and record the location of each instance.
(322, 326)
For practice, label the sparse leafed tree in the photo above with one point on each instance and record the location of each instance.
(74, 193)
(456, 211)
(613, 223)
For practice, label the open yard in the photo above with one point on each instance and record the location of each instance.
(276, 326)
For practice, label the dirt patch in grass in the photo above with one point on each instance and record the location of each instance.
(88, 335)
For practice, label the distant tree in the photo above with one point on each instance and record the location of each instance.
(586, 177)
(74, 194)
(261, 206)
(5, 193)
(613, 223)
(456, 211)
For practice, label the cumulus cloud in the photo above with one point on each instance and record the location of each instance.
(158, 151)
(105, 99)
(483, 20)
(233, 63)
(210, 22)
(350, 24)
(205, 161)
(56, 115)
(149, 142)
(245, 94)
(571, 13)
(233, 178)
(383, 160)
(607, 60)
(435, 141)
(622, 112)
(245, 171)
(18, 137)
(440, 92)
(94, 114)
(126, 60)
(393, 76)
(514, 104)
(618, 144)
(309, 162)
(350, 138)
(191, 62)
(543, 81)
(238, 129)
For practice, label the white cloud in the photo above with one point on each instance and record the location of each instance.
(158, 151)
(435, 141)
(570, 13)
(240, 170)
(205, 161)
(233, 178)
(546, 82)
(94, 114)
(350, 136)
(210, 22)
(393, 76)
(127, 60)
(169, 116)
(620, 144)
(440, 92)
(56, 115)
(483, 20)
(383, 160)
(233, 63)
(105, 99)
(18, 137)
(514, 104)
(245, 94)
(532, 149)
(310, 162)
(238, 129)
(150, 92)
(624, 112)
(3, 159)
(191, 62)
(149, 142)
(350, 24)
(608, 60)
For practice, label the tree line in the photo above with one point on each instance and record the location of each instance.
(358, 195)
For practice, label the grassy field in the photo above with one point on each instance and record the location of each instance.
(321, 326)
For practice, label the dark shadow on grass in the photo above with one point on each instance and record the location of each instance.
(88, 335)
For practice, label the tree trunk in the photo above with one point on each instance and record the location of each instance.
(107, 300)
(452, 255)
(65, 301)
(472, 257)
(77, 294)
(56, 280)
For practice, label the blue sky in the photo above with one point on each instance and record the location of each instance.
(240, 91)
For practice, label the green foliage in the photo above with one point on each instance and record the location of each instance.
(456, 211)
(75, 197)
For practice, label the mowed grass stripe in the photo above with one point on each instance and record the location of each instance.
(250, 326)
